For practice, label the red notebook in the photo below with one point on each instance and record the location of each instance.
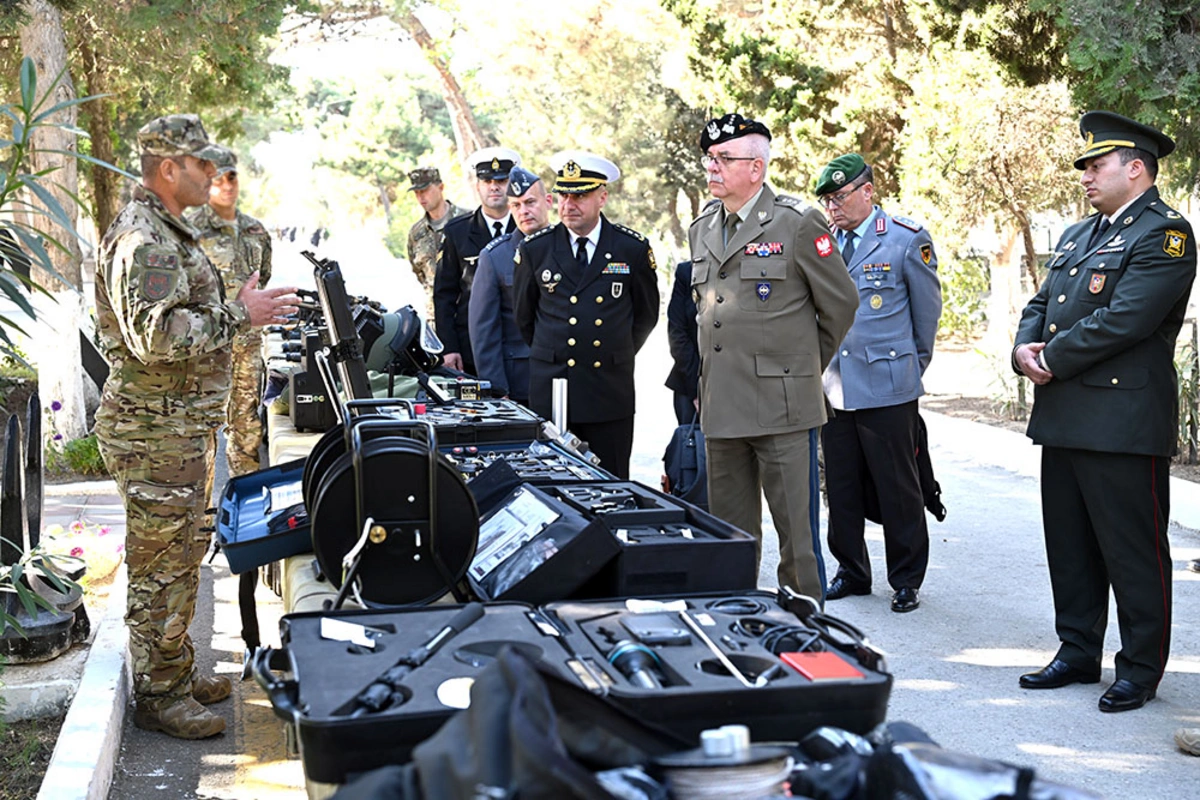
(824, 666)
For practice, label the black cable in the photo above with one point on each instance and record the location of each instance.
(738, 606)
(789, 639)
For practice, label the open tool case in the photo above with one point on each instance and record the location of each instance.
(642, 655)
(261, 517)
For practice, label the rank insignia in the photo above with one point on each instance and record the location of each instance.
(1069, 246)
(1097, 284)
(876, 302)
(162, 260)
(1174, 215)
(1174, 242)
(1128, 220)
(764, 290)
(617, 288)
(156, 285)
(927, 253)
(824, 245)
(881, 225)
(616, 268)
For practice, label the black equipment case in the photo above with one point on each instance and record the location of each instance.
(642, 655)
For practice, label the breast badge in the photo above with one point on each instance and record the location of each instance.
(764, 290)
(1097, 284)
(1173, 244)
(617, 288)
(551, 280)
(876, 302)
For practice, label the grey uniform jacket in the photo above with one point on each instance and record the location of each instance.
(1110, 314)
(772, 306)
(882, 358)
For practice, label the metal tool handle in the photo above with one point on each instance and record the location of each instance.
(724, 659)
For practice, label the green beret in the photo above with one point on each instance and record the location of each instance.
(841, 171)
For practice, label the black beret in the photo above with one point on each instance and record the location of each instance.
(730, 126)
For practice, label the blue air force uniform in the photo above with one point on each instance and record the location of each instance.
(501, 355)
(873, 383)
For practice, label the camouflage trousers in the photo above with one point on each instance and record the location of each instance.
(243, 427)
(164, 484)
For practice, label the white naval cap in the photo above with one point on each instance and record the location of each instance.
(578, 171)
(493, 163)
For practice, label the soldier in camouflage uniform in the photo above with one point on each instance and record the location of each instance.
(238, 246)
(166, 328)
(425, 236)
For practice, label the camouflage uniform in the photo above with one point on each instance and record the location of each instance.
(237, 248)
(165, 329)
(424, 241)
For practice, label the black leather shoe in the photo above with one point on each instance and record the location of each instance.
(905, 599)
(1057, 674)
(839, 587)
(1125, 695)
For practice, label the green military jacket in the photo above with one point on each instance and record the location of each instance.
(1109, 311)
(165, 327)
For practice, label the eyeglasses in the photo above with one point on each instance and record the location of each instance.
(837, 200)
(722, 160)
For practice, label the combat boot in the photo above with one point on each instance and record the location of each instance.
(209, 689)
(183, 719)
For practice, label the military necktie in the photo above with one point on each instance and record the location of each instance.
(848, 248)
(581, 253)
(732, 221)
(1098, 235)
(497, 229)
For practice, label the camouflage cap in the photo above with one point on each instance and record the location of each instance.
(225, 160)
(422, 177)
(177, 135)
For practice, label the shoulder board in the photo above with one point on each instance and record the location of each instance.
(707, 211)
(1165, 210)
(629, 232)
(792, 203)
(458, 222)
(504, 237)
(911, 224)
(542, 232)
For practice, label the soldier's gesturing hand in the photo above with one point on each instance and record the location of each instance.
(268, 306)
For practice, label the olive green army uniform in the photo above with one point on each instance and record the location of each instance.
(166, 330)
(238, 248)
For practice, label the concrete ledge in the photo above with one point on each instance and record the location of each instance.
(86, 753)
(81, 488)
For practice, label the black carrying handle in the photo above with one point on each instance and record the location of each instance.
(283, 694)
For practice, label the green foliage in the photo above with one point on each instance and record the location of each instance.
(35, 563)
(26, 202)
(1187, 365)
(964, 286)
(76, 457)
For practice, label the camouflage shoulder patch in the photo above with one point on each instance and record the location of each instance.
(629, 231)
(911, 224)
(156, 257)
(256, 228)
(157, 284)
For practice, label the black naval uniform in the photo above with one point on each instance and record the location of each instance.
(462, 240)
(1110, 311)
(587, 328)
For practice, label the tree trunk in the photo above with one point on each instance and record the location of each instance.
(468, 136)
(55, 344)
(105, 194)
